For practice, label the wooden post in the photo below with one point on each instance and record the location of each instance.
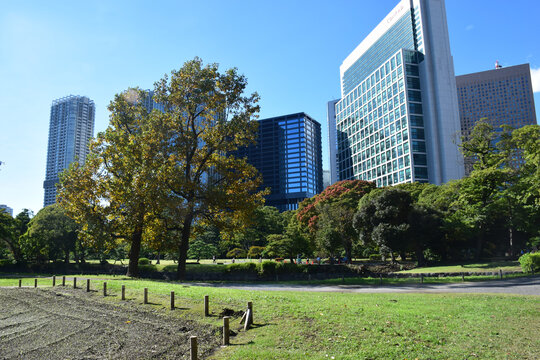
(20, 282)
(145, 299)
(226, 330)
(193, 347)
(249, 318)
(462, 277)
(54, 280)
(500, 274)
(421, 278)
(172, 300)
(104, 288)
(87, 285)
(35, 283)
(247, 323)
(123, 292)
(74, 282)
(63, 281)
(206, 306)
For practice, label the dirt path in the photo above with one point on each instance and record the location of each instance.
(518, 286)
(62, 324)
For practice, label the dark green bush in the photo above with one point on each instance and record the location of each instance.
(170, 268)
(289, 268)
(147, 268)
(144, 261)
(267, 268)
(242, 267)
(530, 262)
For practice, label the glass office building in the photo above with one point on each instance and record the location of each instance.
(288, 155)
(70, 129)
(502, 96)
(397, 119)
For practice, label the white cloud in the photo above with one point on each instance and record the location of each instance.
(535, 78)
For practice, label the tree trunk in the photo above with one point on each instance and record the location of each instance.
(348, 254)
(420, 256)
(134, 252)
(479, 245)
(183, 247)
(511, 240)
(158, 257)
(402, 255)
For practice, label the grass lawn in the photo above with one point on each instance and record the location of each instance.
(294, 325)
(469, 267)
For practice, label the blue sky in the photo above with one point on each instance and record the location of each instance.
(290, 52)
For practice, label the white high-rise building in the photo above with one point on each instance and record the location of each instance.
(397, 120)
(71, 128)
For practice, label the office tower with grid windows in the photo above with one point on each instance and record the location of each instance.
(397, 120)
(288, 154)
(502, 96)
(70, 129)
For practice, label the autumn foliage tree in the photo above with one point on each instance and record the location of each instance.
(327, 217)
(153, 176)
(207, 117)
(116, 194)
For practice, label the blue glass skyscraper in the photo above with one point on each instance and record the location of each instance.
(397, 120)
(288, 155)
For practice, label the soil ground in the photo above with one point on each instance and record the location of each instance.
(70, 324)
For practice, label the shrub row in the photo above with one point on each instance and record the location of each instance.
(530, 262)
(267, 268)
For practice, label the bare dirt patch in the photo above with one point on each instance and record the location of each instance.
(68, 324)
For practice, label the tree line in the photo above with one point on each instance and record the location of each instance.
(166, 182)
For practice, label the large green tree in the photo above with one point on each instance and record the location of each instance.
(327, 217)
(383, 218)
(265, 220)
(11, 230)
(207, 117)
(7, 225)
(155, 175)
(51, 235)
(116, 194)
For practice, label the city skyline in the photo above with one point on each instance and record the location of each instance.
(134, 45)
